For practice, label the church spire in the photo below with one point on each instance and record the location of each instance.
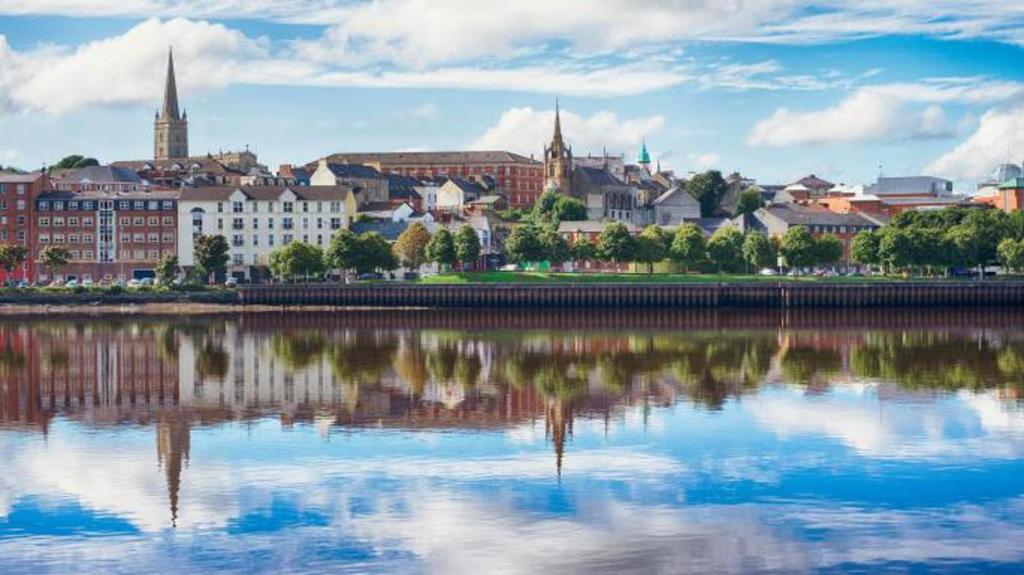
(558, 123)
(170, 107)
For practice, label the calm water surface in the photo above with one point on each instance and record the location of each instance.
(489, 442)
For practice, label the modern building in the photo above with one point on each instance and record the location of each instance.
(18, 193)
(519, 178)
(257, 220)
(110, 235)
(1007, 196)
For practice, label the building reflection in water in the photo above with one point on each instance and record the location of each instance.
(473, 370)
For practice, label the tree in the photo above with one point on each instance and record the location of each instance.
(297, 260)
(652, 246)
(524, 246)
(211, 256)
(759, 251)
(373, 253)
(55, 258)
(74, 162)
(1011, 254)
(864, 249)
(11, 258)
(828, 250)
(798, 247)
(749, 202)
(556, 248)
(167, 269)
(467, 245)
(968, 242)
(411, 246)
(895, 249)
(342, 251)
(725, 248)
(583, 251)
(615, 244)
(708, 188)
(568, 209)
(441, 248)
(688, 247)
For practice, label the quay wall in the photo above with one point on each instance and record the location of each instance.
(635, 295)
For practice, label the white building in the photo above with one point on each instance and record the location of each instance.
(257, 220)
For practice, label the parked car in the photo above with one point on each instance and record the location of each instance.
(369, 276)
(134, 283)
(768, 272)
(231, 282)
(87, 283)
(23, 284)
(72, 284)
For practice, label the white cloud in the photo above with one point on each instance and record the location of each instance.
(525, 130)
(426, 111)
(705, 161)
(999, 134)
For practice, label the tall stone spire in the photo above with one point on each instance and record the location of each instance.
(558, 159)
(170, 107)
(558, 123)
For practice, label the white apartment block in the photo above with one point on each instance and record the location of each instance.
(255, 221)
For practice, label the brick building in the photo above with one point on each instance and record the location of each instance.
(519, 178)
(17, 197)
(110, 235)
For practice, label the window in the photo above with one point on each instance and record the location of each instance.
(43, 205)
(237, 224)
(139, 238)
(139, 221)
(153, 254)
(87, 238)
(236, 259)
(220, 223)
(270, 240)
(58, 238)
(335, 207)
(255, 240)
(270, 223)
(153, 238)
(88, 206)
(58, 222)
(286, 223)
(220, 208)
(237, 207)
(123, 205)
(21, 189)
(319, 223)
(168, 221)
(44, 238)
(75, 254)
(305, 207)
(152, 205)
(305, 223)
(168, 238)
(287, 239)
(237, 240)
(72, 238)
(139, 254)
(72, 205)
(153, 221)
(335, 223)
(73, 222)
(138, 205)
(43, 222)
(87, 255)
(126, 238)
(255, 223)
(21, 205)
(87, 222)
(288, 207)
(167, 205)
(125, 222)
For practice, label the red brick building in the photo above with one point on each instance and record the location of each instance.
(519, 178)
(17, 201)
(110, 235)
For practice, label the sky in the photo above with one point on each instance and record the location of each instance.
(775, 89)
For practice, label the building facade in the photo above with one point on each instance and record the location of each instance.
(110, 235)
(257, 220)
(17, 206)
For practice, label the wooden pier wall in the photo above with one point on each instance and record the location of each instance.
(613, 296)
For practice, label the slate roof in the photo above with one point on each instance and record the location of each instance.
(433, 158)
(265, 193)
(402, 187)
(97, 174)
(795, 215)
(100, 195)
(12, 178)
(598, 176)
(815, 183)
(353, 171)
(390, 230)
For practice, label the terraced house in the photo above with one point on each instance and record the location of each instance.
(257, 220)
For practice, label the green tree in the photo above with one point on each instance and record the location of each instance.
(373, 253)
(411, 246)
(708, 188)
(759, 251)
(211, 256)
(828, 250)
(343, 250)
(1011, 254)
(725, 249)
(11, 258)
(749, 202)
(568, 209)
(467, 245)
(895, 249)
(689, 248)
(74, 162)
(798, 247)
(583, 251)
(615, 244)
(864, 249)
(167, 269)
(441, 248)
(55, 258)
(652, 246)
(556, 248)
(968, 240)
(524, 246)
(297, 260)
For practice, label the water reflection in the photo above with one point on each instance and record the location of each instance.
(709, 442)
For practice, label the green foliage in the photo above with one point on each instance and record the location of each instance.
(512, 214)
(828, 250)
(55, 257)
(297, 260)
(74, 162)
(373, 253)
(342, 251)
(441, 248)
(652, 246)
(1011, 254)
(758, 251)
(689, 247)
(749, 202)
(583, 251)
(11, 257)
(467, 245)
(708, 188)
(798, 247)
(524, 246)
(615, 244)
(553, 207)
(725, 249)
(211, 255)
(411, 246)
(556, 249)
(895, 248)
(864, 249)
(167, 270)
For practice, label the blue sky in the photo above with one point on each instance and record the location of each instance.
(773, 88)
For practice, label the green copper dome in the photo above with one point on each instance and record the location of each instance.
(645, 158)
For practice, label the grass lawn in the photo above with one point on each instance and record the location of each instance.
(553, 277)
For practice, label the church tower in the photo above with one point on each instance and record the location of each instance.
(170, 129)
(558, 160)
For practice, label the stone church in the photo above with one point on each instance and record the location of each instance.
(170, 129)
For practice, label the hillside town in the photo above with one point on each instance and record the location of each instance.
(102, 224)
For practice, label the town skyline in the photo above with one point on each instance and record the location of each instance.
(935, 101)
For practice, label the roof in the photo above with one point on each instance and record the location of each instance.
(205, 163)
(353, 171)
(670, 193)
(598, 176)
(12, 178)
(590, 227)
(489, 199)
(795, 215)
(468, 186)
(815, 183)
(58, 195)
(709, 225)
(390, 230)
(401, 187)
(103, 174)
(432, 158)
(265, 193)
(1012, 184)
